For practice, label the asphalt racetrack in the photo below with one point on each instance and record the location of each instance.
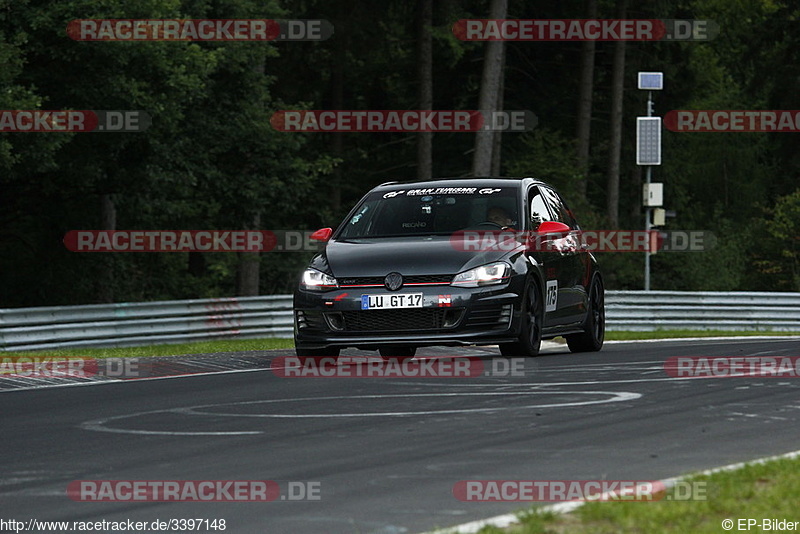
(382, 455)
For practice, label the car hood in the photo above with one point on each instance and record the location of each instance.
(406, 255)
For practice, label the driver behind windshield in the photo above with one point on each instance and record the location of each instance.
(499, 216)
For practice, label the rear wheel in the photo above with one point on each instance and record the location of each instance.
(591, 339)
(530, 336)
(397, 352)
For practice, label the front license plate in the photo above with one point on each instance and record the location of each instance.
(382, 302)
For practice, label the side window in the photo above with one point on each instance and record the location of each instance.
(559, 208)
(537, 208)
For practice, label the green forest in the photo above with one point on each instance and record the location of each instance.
(212, 160)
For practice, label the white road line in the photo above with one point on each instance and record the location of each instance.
(616, 396)
(787, 337)
(99, 425)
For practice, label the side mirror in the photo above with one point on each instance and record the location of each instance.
(323, 234)
(553, 227)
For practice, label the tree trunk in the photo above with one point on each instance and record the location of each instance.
(490, 87)
(617, 86)
(196, 264)
(108, 221)
(425, 75)
(583, 128)
(497, 137)
(248, 268)
(337, 101)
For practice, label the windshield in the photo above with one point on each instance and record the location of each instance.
(433, 211)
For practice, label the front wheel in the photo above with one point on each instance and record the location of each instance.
(591, 339)
(530, 336)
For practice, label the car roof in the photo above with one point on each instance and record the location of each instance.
(462, 182)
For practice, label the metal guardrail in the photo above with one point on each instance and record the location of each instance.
(702, 310)
(147, 323)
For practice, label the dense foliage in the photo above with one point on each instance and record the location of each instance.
(211, 160)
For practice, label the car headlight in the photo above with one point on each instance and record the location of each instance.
(485, 275)
(315, 280)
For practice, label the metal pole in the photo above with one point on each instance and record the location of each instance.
(647, 227)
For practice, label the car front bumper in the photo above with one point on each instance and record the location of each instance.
(449, 316)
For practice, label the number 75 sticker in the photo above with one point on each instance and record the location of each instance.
(552, 296)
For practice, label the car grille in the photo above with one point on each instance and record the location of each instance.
(310, 319)
(489, 315)
(430, 279)
(403, 319)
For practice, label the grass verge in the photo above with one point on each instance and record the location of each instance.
(199, 347)
(662, 334)
(756, 491)
(241, 345)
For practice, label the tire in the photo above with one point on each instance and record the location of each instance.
(530, 336)
(397, 352)
(591, 339)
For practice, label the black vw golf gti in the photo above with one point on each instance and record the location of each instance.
(481, 261)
